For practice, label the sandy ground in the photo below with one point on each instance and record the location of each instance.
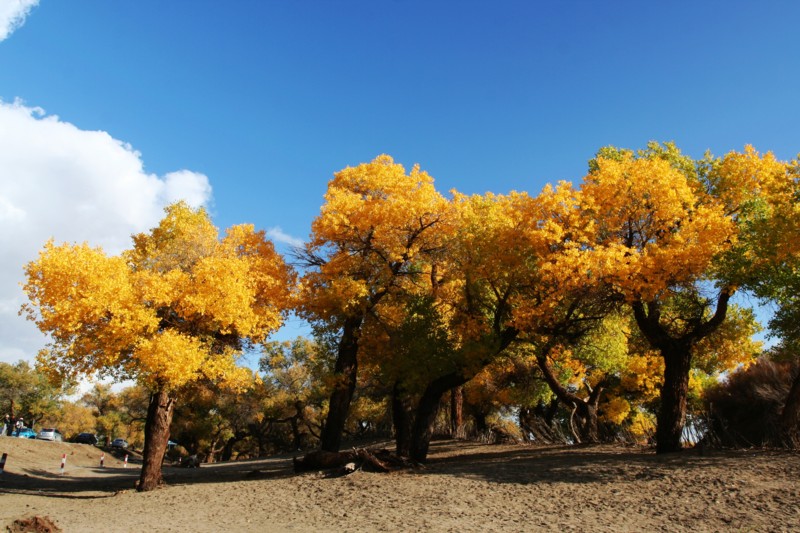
(464, 487)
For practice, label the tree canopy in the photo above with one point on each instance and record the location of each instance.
(176, 309)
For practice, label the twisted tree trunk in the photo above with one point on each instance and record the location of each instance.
(586, 408)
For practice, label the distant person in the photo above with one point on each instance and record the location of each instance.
(20, 425)
(6, 426)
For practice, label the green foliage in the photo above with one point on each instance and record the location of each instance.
(296, 378)
(604, 348)
(419, 348)
(118, 414)
(26, 392)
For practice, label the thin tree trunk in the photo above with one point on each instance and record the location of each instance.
(790, 416)
(674, 392)
(457, 413)
(12, 421)
(296, 421)
(346, 372)
(402, 420)
(212, 451)
(156, 435)
(227, 450)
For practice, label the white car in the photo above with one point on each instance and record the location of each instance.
(49, 434)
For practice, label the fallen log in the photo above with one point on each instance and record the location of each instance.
(362, 459)
(323, 460)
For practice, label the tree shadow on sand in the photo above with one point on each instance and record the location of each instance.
(43, 483)
(107, 482)
(513, 464)
(564, 464)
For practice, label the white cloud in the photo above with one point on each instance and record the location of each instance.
(12, 15)
(185, 185)
(278, 235)
(59, 181)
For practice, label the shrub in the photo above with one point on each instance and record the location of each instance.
(745, 410)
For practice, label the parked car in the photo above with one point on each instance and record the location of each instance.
(119, 443)
(86, 438)
(25, 433)
(50, 434)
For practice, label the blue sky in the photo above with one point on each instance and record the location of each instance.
(249, 107)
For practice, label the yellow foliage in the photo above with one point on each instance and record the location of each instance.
(175, 308)
(484, 388)
(730, 346)
(155, 358)
(71, 419)
(644, 375)
(655, 228)
(183, 237)
(643, 425)
(770, 189)
(740, 177)
(569, 365)
(615, 410)
(374, 231)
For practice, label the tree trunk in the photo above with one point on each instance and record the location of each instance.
(481, 427)
(156, 435)
(426, 411)
(587, 426)
(677, 354)
(212, 451)
(428, 406)
(457, 413)
(674, 392)
(297, 420)
(12, 420)
(346, 372)
(402, 420)
(227, 450)
(585, 408)
(790, 416)
(425, 418)
(537, 423)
